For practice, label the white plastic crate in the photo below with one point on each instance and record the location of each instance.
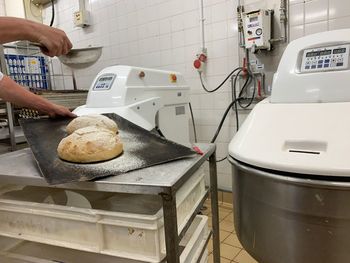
(128, 226)
(17, 251)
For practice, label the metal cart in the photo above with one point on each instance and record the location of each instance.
(20, 167)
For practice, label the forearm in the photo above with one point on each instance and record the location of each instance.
(13, 29)
(12, 92)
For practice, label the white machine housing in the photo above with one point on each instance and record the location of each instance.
(304, 126)
(257, 29)
(147, 97)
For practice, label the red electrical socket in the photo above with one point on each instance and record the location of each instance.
(200, 62)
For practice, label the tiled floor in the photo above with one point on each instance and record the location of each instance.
(231, 250)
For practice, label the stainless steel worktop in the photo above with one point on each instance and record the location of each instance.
(20, 167)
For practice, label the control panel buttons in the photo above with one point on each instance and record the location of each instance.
(258, 32)
(326, 58)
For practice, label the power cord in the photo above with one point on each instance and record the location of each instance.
(53, 12)
(235, 100)
(193, 123)
(234, 93)
(251, 99)
(221, 84)
(223, 120)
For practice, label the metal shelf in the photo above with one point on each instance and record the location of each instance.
(163, 180)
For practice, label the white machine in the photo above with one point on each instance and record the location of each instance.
(304, 126)
(147, 97)
(290, 159)
(257, 29)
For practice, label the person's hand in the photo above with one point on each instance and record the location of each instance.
(54, 40)
(60, 111)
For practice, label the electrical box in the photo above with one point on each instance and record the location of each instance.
(81, 18)
(257, 29)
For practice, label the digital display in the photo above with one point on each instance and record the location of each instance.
(325, 52)
(105, 79)
(318, 53)
(339, 50)
(312, 54)
(105, 82)
(253, 19)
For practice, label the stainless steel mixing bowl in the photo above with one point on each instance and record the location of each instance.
(281, 218)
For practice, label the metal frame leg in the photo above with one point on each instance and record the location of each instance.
(11, 127)
(170, 228)
(214, 207)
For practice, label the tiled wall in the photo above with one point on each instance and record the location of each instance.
(312, 16)
(2, 7)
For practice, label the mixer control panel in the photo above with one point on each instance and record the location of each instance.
(326, 58)
(104, 82)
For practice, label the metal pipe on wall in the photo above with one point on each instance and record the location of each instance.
(283, 20)
(283, 23)
(240, 10)
(201, 25)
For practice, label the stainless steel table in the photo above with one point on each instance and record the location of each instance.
(20, 167)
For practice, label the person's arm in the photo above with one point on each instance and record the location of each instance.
(55, 40)
(12, 92)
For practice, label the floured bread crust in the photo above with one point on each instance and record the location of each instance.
(92, 120)
(90, 144)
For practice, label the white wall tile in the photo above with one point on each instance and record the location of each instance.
(219, 30)
(2, 8)
(339, 8)
(191, 19)
(296, 32)
(316, 10)
(316, 27)
(218, 12)
(165, 42)
(178, 39)
(296, 14)
(339, 23)
(177, 23)
(192, 36)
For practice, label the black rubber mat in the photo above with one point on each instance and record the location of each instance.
(141, 149)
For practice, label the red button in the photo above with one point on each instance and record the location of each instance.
(173, 77)
(197, 63)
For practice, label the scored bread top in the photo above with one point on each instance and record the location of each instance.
(92, 120)
(90, 144)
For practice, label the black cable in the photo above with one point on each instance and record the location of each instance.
(251, 100)
(53, 12)
(233, 105)
(193, 123)
(222, 83)
(222, 120)
(220, 160)
(234, 94)
(234, 97)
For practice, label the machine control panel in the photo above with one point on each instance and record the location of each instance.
(257, 29)
(326, 58)
(104, 82)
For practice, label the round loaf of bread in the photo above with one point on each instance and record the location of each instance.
(90, 144)
(92, 120)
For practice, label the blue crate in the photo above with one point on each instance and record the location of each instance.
(30, 71)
